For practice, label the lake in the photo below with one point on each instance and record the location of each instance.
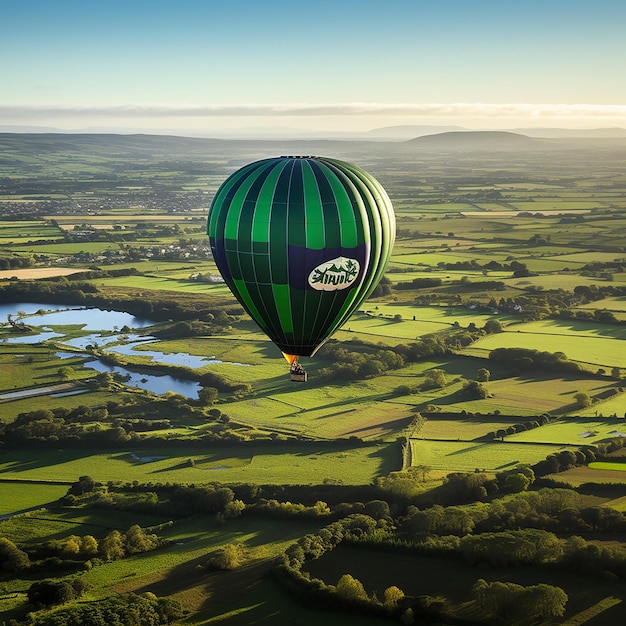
(95, 319)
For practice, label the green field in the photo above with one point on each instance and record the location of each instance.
(258, 463)
(18, 496)
(542, 229)
(600, 344)
(466, 456)
(572, 431)
(607, 466)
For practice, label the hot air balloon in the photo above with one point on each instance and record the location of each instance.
(301, 241)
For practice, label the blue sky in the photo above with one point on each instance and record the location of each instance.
(325, 65)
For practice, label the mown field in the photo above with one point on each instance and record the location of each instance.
(19, 496)
(298, 463)
(467, 456)
(600, 345)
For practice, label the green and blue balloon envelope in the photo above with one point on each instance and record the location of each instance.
(301, 242)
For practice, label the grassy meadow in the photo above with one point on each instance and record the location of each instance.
(301, 464)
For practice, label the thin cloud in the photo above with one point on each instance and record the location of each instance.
(467, 110)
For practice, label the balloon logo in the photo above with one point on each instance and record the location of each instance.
(301, 242)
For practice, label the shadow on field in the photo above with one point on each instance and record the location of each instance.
(35, 459)
(245, 595)
(574, 327)
(469, 448)
(391, 425)
(388, 459)
(387, 455)
(221, 459)
(219, 590)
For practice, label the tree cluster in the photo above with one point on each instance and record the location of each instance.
(508, 601)
(50, 592)
(72, 551)
(525, 359)
(15, 262)
(131, 610)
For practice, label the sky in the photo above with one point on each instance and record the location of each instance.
(218, 66)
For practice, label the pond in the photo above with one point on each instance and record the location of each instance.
(31, 339)
(91, 319)
(158, 384)
(171, 358)
(95, 319)
(12, 308)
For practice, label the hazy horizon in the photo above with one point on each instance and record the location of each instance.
(203, 68)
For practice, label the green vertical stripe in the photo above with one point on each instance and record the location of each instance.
(296, 215)
(263, 208)
(283, 305)
(278, 227)
(344, 207)
(236, 206)
(314, 210)
(221, 197)
(245, 299)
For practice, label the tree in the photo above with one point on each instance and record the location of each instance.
(583, 400)
(48, 592)
(71, 547)
(207, 396)
(65, 372)
(351, 589)
(233, 509)
(475, 390)
(515, 483)
(112, 546)
(483, 375)
(424, 470)
(88, 546)
(546, 601)
(435, 378)
(391, 596)
(377, 509)
(12, 559)
(85, 484)
(138, 541)
(228, 558)
(492, 326)
(455, 521)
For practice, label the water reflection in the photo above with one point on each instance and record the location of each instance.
(171, 358)
(95, 319)
(150, 382)
(12, 308)
(101, 341)
(31, 339)
(90, 319)
(155, 384)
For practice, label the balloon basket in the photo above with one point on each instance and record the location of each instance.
(297, 373)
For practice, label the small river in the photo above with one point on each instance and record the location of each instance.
(94, 319)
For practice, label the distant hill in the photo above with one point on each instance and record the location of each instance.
(407, 131)
(574, 133)
(169, 147)
(477, 140)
